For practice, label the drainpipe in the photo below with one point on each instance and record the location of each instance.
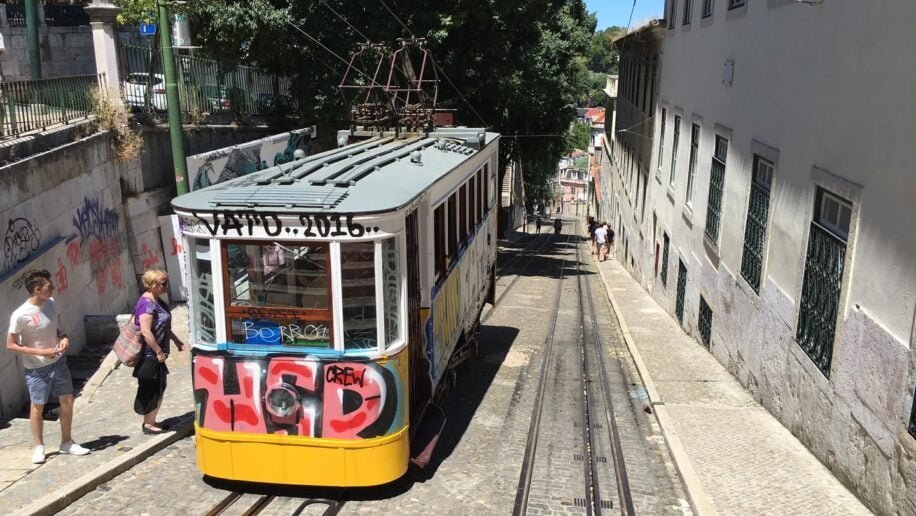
(31, 26)
(171, 98)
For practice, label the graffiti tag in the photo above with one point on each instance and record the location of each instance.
(21, 240)
(243, 223)
(94, 221)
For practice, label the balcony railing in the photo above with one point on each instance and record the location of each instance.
(53, 15)
(37, 105)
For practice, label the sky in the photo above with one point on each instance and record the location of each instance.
(617, 12)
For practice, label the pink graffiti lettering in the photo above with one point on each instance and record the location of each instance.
(151, 257)
(100, 282)
(117, 278)
(60, 277)
(176, 247)
(239, 410)
(73, 252)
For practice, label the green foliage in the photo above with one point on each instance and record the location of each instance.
(135, 12)
(577, 137)
(602, 55)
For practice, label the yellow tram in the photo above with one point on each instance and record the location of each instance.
(331, 298)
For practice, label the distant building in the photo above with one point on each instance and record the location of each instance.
(768, 203)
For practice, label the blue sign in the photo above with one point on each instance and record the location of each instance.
(147, 29)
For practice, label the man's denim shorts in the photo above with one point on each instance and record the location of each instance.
(53, 379)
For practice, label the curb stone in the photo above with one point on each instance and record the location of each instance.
(699, 500)
(61, 498)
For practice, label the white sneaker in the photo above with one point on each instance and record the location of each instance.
(72, 448)
(38, 456)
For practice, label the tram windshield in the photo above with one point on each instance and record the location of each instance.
(283, 294)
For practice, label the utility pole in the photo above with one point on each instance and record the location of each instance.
(171, 98)
(31, 28)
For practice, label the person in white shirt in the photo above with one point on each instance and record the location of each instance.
(601, 240)
(34, 334)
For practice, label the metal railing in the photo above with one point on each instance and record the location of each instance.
(755, 233)
(205, 86)
(820, 297)
(54, 15)
(36, 105)
(681, 291)
(704, 322)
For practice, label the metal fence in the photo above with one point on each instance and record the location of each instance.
(704, 322)
(54, 15)
(205, 86)
(755, 232)
(681, 291)
(36, 105)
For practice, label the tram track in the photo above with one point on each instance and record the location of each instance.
(238, 502)
(529, 254)
(595, 404)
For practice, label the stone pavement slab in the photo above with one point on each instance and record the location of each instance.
(107, 425)
(734, 456)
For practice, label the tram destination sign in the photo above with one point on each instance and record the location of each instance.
(271, 225)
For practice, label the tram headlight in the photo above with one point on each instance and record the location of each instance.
(282, 400)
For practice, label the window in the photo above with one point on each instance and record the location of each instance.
(473, 209)
(357, 279)
(391, 290)
(672, 13)
(439, 237)
(707, 8)
(688, 7)
(704, 323)
(692, 164)
(203, 321)
(823, 278)
(665, 244)
(483, 202)
(453, 237)
(463, 213)
(735, 3)
(681, 290)
(716, 186)
(277, 294)
(661, 140)
(755, 230)
(674, 145)
(486, 188)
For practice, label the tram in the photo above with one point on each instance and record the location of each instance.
(331, 299)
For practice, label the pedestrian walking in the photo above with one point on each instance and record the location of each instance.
(34, 334)
(601, 240)
(155, 320)
(537, 223)
(557, 225)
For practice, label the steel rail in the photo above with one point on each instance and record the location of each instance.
(524, 480)
(620, 470)
(592, 490)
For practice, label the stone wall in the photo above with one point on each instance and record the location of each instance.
(62, 211)
(64, 51)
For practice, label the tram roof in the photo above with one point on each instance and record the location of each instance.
(375, 175)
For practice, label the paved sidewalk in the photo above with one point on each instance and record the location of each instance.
(104, 422)
(734, 457)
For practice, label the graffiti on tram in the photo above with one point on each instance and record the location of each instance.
(245, 222)
(342, 400)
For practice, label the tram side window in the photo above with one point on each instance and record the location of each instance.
(480, 207)
(357, 269)
(277, 294)
(486, 188)
(439, 233)
(391, 286)
(453, 237)
(463, 212)
(204, 314)
(472, 191)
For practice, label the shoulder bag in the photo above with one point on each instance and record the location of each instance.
(129, 344)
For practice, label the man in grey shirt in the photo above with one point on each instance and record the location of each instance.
(34, 333)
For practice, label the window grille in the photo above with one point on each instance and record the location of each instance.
(661, 140)
(705, 322)
(688, 7)
(823, 280)
(665, 259)
(692, 164)
(674, 145)
(707, 8)
(716, 186)
(755, 231)
(681, 290)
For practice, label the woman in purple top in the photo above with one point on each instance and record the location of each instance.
(155, 321)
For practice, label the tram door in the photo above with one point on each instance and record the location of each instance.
(420, 389)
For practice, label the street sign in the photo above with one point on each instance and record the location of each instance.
(147, 29)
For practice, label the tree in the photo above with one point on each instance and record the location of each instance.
(577, 138)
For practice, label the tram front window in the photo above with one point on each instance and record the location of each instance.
(278, 294)
(357, 270)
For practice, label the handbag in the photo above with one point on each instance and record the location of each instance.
(129, 344)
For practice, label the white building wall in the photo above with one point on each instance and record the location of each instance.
(825, 91)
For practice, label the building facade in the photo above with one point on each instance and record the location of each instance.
(778, 213)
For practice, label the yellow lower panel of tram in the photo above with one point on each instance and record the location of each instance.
(289, 459)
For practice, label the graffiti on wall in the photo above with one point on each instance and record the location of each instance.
(95, 222)
(341, 400)
(100, 238)
(21, 240)
(221, 165)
